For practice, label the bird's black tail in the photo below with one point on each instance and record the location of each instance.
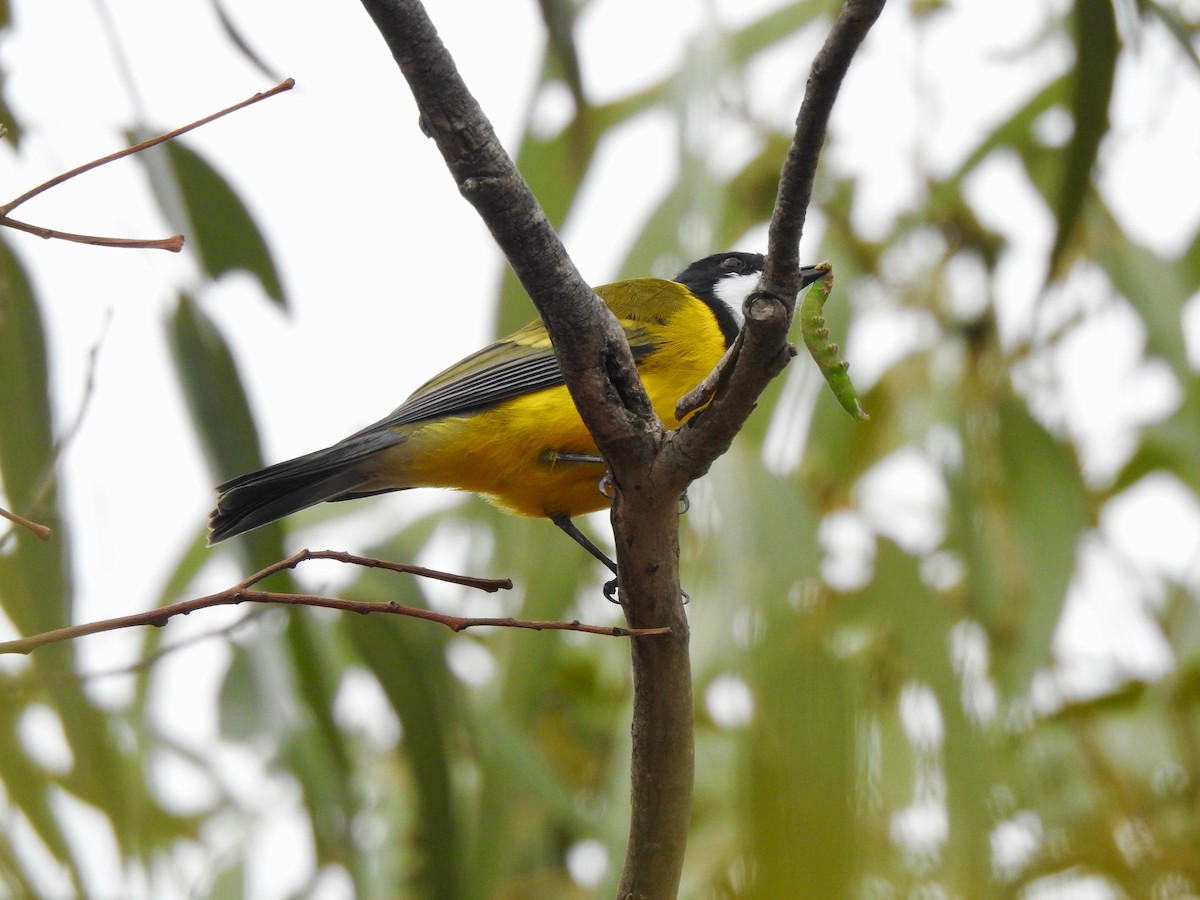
(257, 498)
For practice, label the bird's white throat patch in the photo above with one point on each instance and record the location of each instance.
(732, 290)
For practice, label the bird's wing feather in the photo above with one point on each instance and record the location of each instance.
(519, 364)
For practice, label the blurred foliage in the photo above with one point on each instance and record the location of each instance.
(871, 734)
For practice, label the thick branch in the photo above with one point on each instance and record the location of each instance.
(591, 347)
(599, 371)
(649, 466)
(663, 758)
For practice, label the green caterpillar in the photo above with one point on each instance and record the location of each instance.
(816, 338)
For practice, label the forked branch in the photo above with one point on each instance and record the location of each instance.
(649, 467)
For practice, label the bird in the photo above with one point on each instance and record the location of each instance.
(500, 423)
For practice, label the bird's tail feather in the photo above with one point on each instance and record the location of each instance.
(257, 498)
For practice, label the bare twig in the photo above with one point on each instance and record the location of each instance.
(41, 531)
(285, 85)
(243, 592)
(174, 243)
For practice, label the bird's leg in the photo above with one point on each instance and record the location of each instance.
(553, 457)
(565, 523)
(556, 457)
(606, 488)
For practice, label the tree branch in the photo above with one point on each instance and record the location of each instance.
(243, 592)
(662, 768)
(591, 347)
(762, 350)
(649, 467)
(598, 368)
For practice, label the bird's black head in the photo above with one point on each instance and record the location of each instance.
(724, 280)
(704, 275)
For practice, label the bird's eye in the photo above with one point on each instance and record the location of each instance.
(732, 264)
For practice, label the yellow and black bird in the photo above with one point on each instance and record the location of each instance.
(500, 423)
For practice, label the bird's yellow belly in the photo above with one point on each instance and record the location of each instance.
(510, 453)
(507, 454)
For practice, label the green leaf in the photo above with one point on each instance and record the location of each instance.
(240, 702)
(800, 765)
(239, 41)
(1169, 445)
(220, 411)
(913, 623)
(222, 231)
(407, 660)
(1047, 511)
(26, 442)
(1016, 132)
(12, 128)
(7, 120)
(563, 55)
(213, 389)
(1157, 287)
(914, 628)
(326, 776)
(26, 785)
(106, 775)
(15, 879)
(34, 584)
(1096, 48)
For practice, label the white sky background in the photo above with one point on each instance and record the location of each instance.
(371, 236)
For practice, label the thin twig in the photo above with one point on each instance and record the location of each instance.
(40, 530)
(285, 85)
(174, 243)
(243, 592)
(45, 481)
(491, 585)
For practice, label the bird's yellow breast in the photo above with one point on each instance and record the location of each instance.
(510, 452)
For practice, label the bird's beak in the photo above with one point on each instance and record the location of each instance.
(811, 274)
